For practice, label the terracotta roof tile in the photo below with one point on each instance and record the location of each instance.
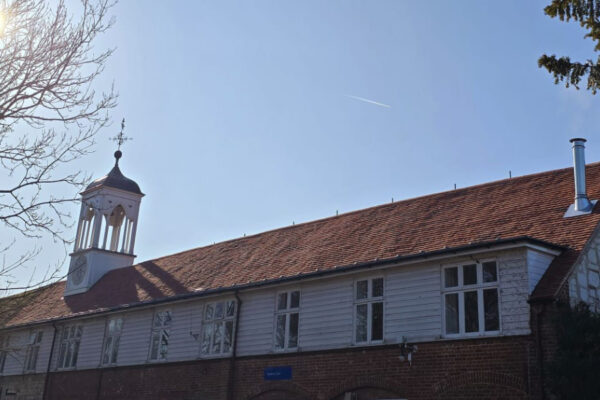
(531, 206)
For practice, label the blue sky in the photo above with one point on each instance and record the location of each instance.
(245, 118)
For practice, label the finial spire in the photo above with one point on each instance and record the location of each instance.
(120, 139)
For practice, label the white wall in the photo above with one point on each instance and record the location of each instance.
(413, 309)
(584, 281)
(537, 264)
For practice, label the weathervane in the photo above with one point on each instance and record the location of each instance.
(120, 139)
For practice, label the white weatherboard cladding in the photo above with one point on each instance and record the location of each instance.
(135, 337)
(16, 355)
(514, 292)
(15, 361)
(413, 309)
(255, 335)
(584, 281)
(45, 347)
(187, 319)
(413, 303)
(537, 264)
(90, 346)
(326, 314)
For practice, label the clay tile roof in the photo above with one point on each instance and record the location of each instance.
(529, 206)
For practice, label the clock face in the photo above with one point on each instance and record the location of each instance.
(78, 270)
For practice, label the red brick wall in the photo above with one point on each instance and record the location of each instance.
(496, 368)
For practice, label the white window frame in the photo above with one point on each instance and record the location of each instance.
(287, 312)
(111, 346)
(162, 331)
(70, 337)
(369, 301)
(479, 286)
(212, 324)
(4, 349)
(33, 350)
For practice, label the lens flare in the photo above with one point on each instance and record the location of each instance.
(2, 21)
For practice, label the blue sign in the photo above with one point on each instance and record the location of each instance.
(278, 373)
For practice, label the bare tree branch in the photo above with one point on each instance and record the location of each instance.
(49, 116)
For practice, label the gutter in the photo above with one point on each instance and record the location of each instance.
(316, 273)
(231, 384)
(47, 377)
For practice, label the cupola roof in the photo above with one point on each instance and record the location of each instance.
(115, 179)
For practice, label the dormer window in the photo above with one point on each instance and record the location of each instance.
(470, 297)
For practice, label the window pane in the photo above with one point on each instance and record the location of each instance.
(34, 356)
(362, 289)
(471, 312)
(61, 354)
(293, 334)
(280, 331)
(230, 308)
(69, 355)
(377, 287)
(164, 343)
(470, 274)
(219, 309)
(377, 321)
(361, 322)
(208, 312)
(218, 336)
(2, 360)
(154, 347)
(167, 319)
(115, 350)
(489, 272)
(228, 336)
(490, 304)
(107, 349)
(295, 299)
(75, 353)
(206, 338)
(451, 305)
(451, 277)
(282, 301)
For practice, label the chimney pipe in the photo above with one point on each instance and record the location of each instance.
(582, 203)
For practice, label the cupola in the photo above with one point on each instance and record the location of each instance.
(107, 227)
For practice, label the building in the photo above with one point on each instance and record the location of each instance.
(445, 296)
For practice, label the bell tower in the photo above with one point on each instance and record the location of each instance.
(107, 227)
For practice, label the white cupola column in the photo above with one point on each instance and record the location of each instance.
(97, 226)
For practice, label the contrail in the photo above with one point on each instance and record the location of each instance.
(368, 101)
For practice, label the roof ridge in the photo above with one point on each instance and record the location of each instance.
(394, 204)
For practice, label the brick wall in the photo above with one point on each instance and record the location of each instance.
(465, 369)
(22, 387)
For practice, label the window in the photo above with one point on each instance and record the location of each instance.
(33, 349)
(470, 295)
(217, 327)
(368, 310)
(111, 343)
(70, 338)
(286, 320)
(3, 352)
(159, 342)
